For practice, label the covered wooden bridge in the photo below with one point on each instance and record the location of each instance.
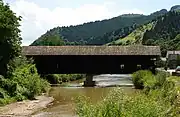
(92, 59)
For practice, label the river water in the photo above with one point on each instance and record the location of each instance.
(63, 105)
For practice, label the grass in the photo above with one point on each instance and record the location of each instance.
(159, 96)
(118, 104)
(135, 37)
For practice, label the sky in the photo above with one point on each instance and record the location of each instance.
(38, 16)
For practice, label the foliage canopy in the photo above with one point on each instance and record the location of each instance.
(10, 39)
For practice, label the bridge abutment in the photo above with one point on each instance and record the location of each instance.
(89, 81)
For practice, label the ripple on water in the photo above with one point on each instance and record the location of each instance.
(63, 105)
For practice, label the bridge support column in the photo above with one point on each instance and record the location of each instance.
(89, 81)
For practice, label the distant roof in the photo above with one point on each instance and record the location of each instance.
(91, 50)
(172, 52)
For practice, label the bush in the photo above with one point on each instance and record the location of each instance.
(160, 97)
(118, 104)
(173, 87)
(23, 83)
(59, 78)
(161, 78)
(26, 76)
(64, 77)
(4, 101)
(53, 78)
(139, 77)
(145, 79)
(3, 93)
(9, 85)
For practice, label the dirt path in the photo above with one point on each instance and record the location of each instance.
(25, 108)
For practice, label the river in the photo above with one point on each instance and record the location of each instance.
(63, 105)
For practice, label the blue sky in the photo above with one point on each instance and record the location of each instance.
(42, 15)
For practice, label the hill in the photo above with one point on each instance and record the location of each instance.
(175, 8)
(163, 31)
(134, 37)
(96, 33)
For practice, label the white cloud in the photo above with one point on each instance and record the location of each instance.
(37, 20)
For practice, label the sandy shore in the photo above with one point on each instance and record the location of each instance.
(25, 108)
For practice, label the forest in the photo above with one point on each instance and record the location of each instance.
(159, 28)
(96, 33)
(163, 31)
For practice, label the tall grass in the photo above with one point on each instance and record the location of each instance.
(159, 97)
(118, 104)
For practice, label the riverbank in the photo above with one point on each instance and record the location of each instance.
(25, 108)
(64, 104)
(155, 95)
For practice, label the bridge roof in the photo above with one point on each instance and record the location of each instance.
(91, 50)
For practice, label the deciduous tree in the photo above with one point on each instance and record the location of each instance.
(10, 39)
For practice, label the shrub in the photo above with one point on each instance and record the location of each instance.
(64, 77)
(24, 81)
(118, 104)
(161, 99)
(149, 83)
(3, 93)
(26, 76)
(175, 80)
(138, 78)
(53, 78)
(76, 77)
(20, 97)
(4, 101)
(161, 79)
(59, 78)
(8, 85)
(44, 85)
(172, 88)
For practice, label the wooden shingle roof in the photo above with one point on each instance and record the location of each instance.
(91, 50)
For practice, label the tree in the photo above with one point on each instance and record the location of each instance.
(10, 39)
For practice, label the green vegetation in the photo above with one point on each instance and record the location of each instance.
(9, 38)
(51, 40)
(144, 79)
(24, 83)
(139, 78)
(96, 33)
(60, 78)
(118, 104)
(159, 28)
(163, 31)
(135, 37)
(19, 79)
(159, 97)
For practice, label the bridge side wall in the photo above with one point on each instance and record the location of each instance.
(92, 64)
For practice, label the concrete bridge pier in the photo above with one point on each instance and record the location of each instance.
(89, 81)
